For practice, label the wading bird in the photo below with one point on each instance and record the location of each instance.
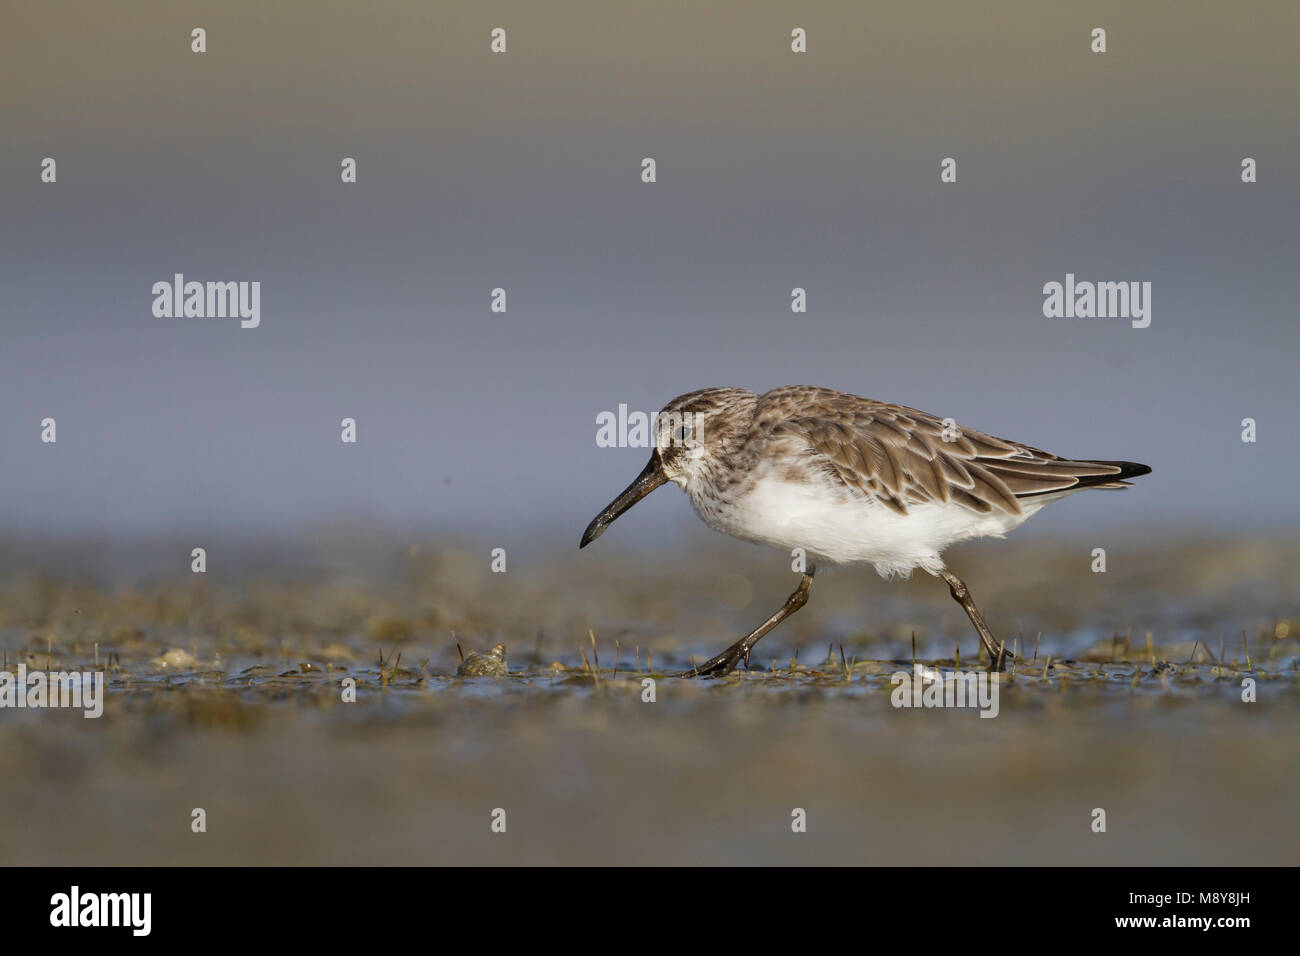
(850, 481)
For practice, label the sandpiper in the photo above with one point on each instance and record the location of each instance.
(849, 481)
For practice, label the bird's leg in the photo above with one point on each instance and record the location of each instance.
(998, 656)
(725, 662)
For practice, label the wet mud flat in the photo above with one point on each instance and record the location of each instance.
(316, 717)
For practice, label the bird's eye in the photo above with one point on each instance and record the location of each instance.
(681, 434)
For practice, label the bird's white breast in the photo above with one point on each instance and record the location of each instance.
(834, 524)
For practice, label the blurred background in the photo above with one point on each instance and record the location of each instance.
(522, 171)
(477, 430)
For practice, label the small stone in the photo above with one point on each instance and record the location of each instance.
(491, 664)
(175, 659)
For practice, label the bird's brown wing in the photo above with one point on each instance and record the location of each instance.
(900, 456)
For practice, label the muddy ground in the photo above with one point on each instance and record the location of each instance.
(226, 692)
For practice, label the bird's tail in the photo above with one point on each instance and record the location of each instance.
(1094, 473)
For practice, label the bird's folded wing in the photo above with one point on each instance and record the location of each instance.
(901, 457)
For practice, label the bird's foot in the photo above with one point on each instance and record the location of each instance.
(999, 657)
(719, 666)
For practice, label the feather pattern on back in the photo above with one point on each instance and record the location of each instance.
(902, 457)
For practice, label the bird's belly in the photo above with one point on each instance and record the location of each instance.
(832, 524)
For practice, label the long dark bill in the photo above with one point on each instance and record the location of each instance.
(651, 477)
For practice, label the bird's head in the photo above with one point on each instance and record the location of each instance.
(691, 433)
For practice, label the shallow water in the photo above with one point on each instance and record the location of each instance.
(232, 699)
